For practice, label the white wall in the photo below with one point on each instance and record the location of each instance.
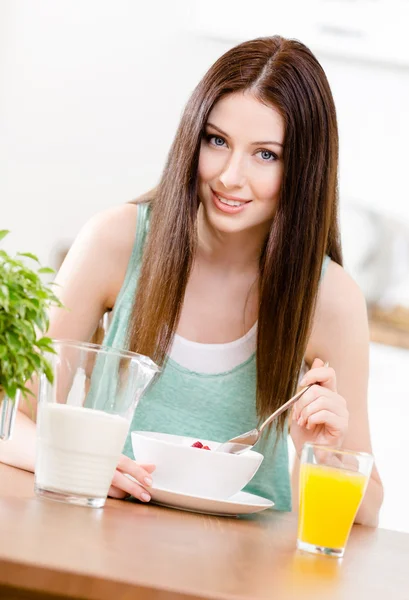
(388, 418)
(372, 103)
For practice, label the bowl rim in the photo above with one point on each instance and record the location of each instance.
(248, 453)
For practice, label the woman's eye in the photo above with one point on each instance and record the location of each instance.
(215, 140)
(267, 155)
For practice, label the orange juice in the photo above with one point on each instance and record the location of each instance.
(329, 500)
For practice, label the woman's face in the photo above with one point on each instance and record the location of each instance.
(241, 163)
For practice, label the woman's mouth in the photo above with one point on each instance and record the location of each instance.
(228, 205)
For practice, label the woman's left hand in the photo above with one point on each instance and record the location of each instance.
(320, 416)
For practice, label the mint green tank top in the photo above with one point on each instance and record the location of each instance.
(204, 406)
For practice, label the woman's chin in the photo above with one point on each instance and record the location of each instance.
(223, 222)
(227, 225)
(235, 224)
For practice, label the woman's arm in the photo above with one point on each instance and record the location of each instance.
(19, 451)
(340, 335)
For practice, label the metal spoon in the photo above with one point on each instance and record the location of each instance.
(247, 440)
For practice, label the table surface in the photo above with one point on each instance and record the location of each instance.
(131, 550)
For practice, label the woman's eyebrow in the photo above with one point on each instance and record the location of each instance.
(208, 124)
(272, 142)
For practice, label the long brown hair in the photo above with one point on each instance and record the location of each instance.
(283, 73)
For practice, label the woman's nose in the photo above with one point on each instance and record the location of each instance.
(233, 175)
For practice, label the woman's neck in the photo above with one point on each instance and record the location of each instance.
(229, 251)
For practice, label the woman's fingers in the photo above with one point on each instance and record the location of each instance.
(141, 473)
(126, 486)
(115, 492)
(334, 404)
(131, 479)
(318, 373)
(317, 362)
(331, 420)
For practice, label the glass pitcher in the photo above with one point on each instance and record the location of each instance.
(83, 419)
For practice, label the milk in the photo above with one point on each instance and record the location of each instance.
(78, 449)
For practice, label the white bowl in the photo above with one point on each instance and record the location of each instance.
(181, 468)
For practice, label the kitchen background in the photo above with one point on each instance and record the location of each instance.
(91, 93)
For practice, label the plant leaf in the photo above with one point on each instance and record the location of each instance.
(3, 233)
(44, 342)
(24, 308)
(5, 291)
(46, 270)
(11, 390)
(48, 372)
(13, 341)
(28, 255)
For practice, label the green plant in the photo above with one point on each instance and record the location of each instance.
(24, 303)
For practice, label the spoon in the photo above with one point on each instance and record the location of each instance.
(247, 440)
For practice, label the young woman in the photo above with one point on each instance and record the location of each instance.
(229, 275)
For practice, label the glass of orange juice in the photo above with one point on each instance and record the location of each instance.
(332, 485)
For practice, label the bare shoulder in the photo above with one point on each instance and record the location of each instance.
(340, 316)
(99, 257)
(113, 230)
(339, 295)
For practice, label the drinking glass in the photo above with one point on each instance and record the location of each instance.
(332, 485)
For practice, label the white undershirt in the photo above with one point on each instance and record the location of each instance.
(219, 358)
(213, 358)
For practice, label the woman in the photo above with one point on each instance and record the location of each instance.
(229, 274)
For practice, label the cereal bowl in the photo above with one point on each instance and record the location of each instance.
(192, 470)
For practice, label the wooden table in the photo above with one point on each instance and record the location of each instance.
(130, 550)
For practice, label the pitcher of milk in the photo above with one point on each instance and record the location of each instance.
(83, 419)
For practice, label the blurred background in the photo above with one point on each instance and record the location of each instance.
(91, 92)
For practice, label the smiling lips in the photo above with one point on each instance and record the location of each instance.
(228, 204)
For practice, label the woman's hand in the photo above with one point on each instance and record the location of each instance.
(122, 486)
(320, 416)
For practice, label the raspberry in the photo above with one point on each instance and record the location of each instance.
(197, 445)
(206, 448)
